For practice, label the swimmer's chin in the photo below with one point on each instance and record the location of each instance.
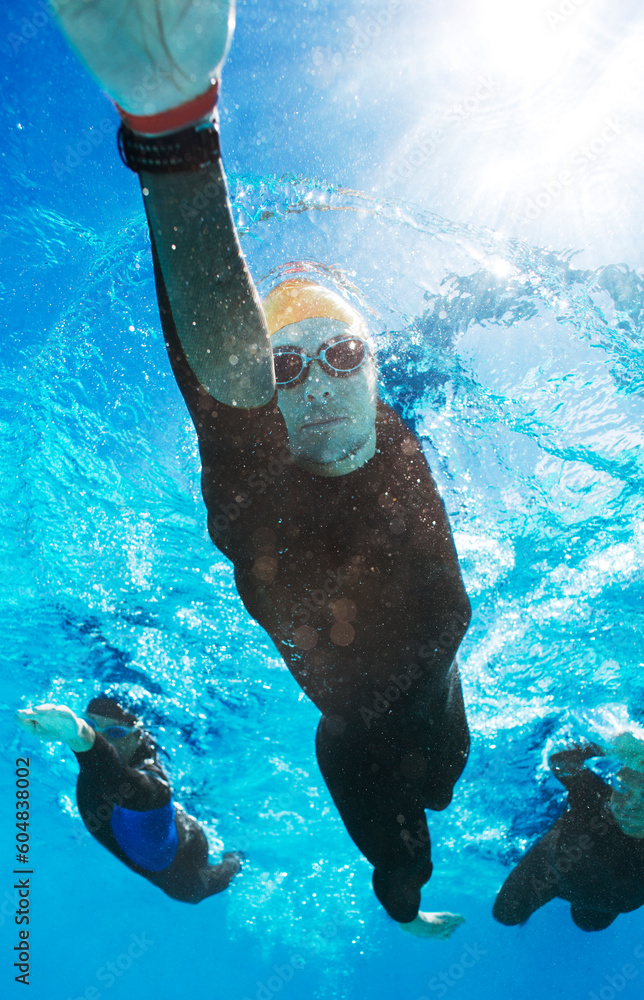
(340, 466)
(632, 828)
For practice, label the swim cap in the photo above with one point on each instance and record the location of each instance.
(297, 298)
(109, 708)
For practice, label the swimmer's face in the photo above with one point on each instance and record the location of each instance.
(331, 421)
(627, 804)
(125, 746)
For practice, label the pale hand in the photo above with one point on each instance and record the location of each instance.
(438, 926)
(56, 723)
(150, 55)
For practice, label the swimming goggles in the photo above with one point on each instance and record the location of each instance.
(607, 768)
(112, 732)
(339, 357)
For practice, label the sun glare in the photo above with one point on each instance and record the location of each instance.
(568, 89)
(530, 40)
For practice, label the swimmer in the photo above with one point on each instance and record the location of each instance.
(125, 800)
(593, 855)
(315, 489)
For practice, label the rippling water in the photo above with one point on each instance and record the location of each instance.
(522, 370)
(523, 376)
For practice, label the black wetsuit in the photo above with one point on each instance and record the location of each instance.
(356, 580)
(129, 809)
(584, 858)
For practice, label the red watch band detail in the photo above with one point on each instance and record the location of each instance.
(174, 119)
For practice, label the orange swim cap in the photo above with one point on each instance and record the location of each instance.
(297, 298)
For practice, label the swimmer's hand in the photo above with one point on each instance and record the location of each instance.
(438, 926)
(56, 723)
(150, 55)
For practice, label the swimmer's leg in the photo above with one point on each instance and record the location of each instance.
(383, 817)
(443, 748)
(188, 885)
(531, 885)
(588, 919)
(191, 878)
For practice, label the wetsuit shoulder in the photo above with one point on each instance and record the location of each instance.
(392, 431)
(221, 429)
(103, 772)
(240, 448)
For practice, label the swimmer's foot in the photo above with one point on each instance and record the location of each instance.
(216, 878)
(439, 926)
(232, 861)
(230, 866)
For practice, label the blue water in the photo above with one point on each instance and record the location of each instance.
(512, 344)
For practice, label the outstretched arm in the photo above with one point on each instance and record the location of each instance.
(146, 789)
(140, 788)
(625, 746)
(568, 765)
(158, 60)
(215, 307)
(57, 724)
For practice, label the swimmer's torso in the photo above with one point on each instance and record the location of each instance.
(355, 578)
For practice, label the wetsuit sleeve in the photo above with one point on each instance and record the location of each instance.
(582, 785)
(139, 789)
(237, 445)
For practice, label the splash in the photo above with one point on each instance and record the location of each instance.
(524, 377)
